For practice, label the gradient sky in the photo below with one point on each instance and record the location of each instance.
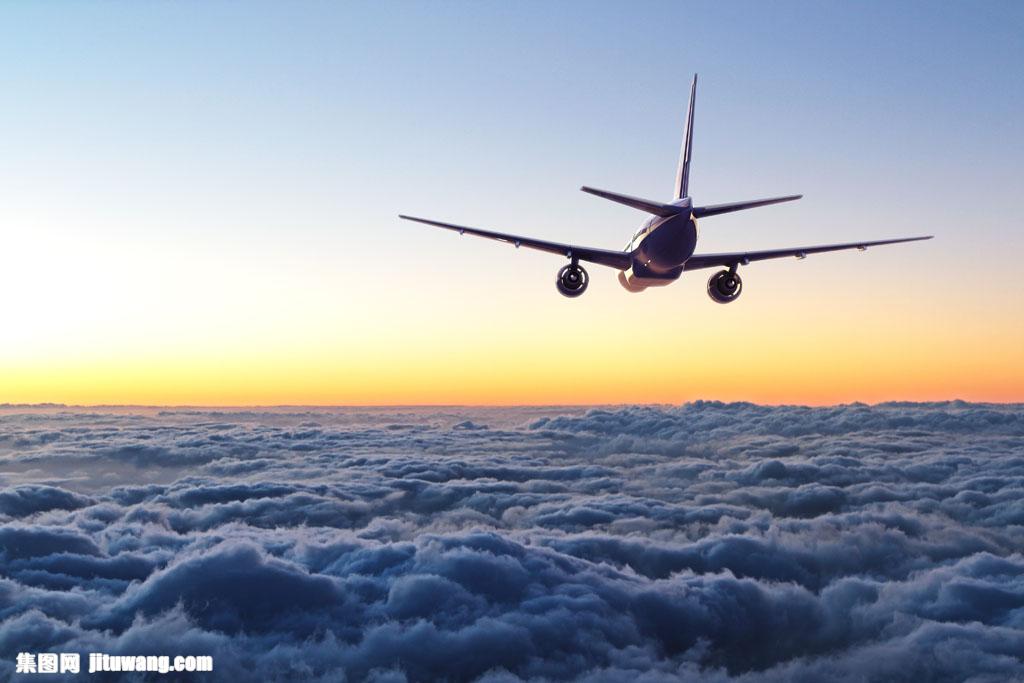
(198, 200)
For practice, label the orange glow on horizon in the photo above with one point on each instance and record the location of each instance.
(524, 371)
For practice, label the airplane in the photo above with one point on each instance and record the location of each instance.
(663, 247)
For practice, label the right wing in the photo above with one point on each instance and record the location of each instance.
(620, 260)
(744, 257)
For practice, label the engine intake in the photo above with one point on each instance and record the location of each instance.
(572, 280)
(725, 286)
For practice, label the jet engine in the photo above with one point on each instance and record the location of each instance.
(572, 280)
(725, 286)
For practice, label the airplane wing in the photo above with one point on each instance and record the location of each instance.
(744, 257)
(620, 260)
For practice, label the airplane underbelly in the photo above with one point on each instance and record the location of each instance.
(637, 279)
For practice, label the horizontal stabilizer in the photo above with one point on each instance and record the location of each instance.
(714, 210)
(657, 208)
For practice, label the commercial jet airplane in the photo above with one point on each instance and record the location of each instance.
(663, 248)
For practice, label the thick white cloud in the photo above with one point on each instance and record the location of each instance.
(722, 542)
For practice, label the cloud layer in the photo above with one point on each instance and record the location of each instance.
(712, 542)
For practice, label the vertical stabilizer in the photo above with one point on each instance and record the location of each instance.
(683, 172)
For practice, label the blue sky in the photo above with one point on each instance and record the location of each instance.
(348, 105)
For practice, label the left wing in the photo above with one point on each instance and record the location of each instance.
(615, 259)
(744, 257)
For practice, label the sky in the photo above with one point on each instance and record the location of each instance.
(198, 201)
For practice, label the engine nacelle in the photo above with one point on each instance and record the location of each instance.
(572, 280)
(725, 286)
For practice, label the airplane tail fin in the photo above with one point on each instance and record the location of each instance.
(683, 172)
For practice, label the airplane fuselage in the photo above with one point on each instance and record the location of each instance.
(659, 250)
